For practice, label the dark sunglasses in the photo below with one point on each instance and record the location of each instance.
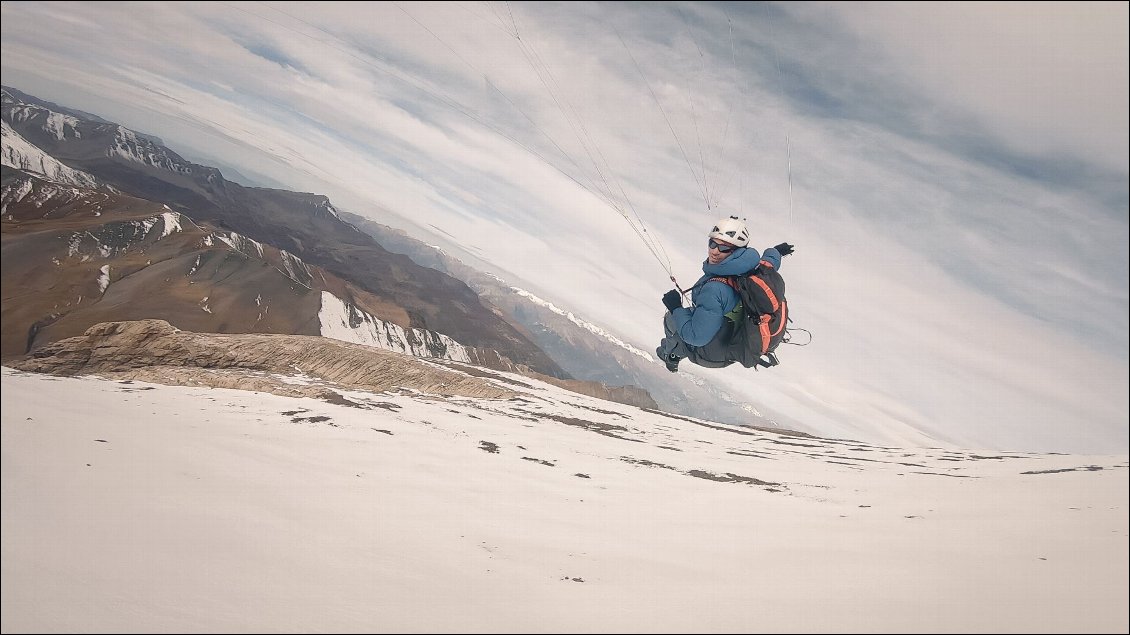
(721, 247)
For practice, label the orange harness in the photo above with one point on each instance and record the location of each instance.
(764, 320)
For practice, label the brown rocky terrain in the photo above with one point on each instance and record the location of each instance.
(291, 365)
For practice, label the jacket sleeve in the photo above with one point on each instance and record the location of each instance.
(773, 257)
(697, 326)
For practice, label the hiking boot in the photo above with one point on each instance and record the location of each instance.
(672, 363)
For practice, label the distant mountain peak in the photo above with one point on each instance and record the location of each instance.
(588, 326)
(15, 96)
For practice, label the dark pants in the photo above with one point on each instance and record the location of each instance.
(713, 354)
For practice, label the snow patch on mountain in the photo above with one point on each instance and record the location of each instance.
(21, 154)
(103, 278)
(237, 242)
(592, 328)
(115, 238)
(340, 320)
(296, 269)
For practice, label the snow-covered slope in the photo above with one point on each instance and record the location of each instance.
(19, 153)
(131, 507)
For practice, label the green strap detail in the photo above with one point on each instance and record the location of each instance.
(736, 314)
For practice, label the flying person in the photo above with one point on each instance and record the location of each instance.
(718, 328)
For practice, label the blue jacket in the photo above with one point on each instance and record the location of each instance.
(698, 325)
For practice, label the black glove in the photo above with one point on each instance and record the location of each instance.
(672, 300)
(784, 249)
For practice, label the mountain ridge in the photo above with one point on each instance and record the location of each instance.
(216, 229)
(303, 224)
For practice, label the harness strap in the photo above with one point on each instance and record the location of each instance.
(727, 280)
(785, 316)
(773, 302)
(765, 288)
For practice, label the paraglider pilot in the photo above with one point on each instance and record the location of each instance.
(701, 332)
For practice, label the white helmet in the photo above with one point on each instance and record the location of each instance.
(731, 230)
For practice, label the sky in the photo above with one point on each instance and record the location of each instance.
(137, 507)
(953, 175)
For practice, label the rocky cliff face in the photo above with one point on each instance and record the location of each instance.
(292, 365)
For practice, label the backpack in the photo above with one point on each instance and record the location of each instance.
(760, 317)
